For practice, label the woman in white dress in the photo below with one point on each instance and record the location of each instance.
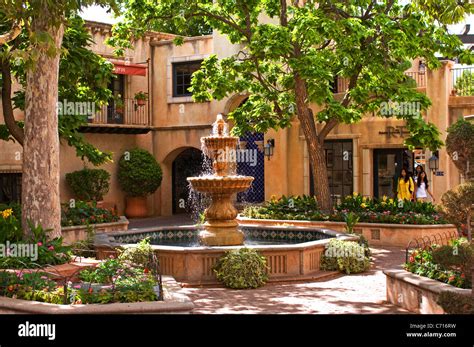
(422, 188)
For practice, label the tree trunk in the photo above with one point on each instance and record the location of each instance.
(40, 192)
(10, 121)
(320, 175)
(315, 147)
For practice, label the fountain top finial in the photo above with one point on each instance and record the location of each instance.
(220, 125)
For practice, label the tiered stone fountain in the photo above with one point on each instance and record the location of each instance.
(221, 227)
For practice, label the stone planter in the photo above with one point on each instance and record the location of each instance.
(174, 302)
(80, 232)
(378, 234)
(416, 293)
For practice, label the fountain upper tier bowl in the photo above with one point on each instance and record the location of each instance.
(221, 184)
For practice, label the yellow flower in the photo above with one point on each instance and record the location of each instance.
(364, 198)
(355, 193)
(7, 213)
(363, 205)
(273, 198)
(384, 198)
(390, 201)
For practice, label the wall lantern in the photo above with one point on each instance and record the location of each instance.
(433, 162)
(269, 148)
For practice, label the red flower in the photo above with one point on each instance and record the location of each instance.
(463, 276)
(412, 259)
(145, 271)
(90, 290)
(451, 278)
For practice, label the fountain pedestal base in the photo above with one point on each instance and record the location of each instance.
(221, 233)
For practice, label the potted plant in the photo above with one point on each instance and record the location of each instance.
(119, 104)
(141, 98)
(89, 184)
(139, 175)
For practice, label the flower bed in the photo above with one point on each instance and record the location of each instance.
(387, 211)
(173, 302)
(82, 213)
(450, 264)
(132, 277)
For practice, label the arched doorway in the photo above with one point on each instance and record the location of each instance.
(188, 163)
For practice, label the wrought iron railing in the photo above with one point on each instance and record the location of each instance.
(424, 242)
(420, 78)
(132, 113)
(462, 81)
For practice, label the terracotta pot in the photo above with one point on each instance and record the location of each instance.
(136, 207)
(141, 102)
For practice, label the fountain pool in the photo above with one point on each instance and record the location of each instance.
(188, 253)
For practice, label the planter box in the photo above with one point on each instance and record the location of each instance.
(174, 302)
(377, 234)
(416, 293)
(79, 232)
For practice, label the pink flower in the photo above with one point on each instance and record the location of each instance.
(51, 248)
(40, 244)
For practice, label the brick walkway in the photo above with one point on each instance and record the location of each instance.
(363, 293)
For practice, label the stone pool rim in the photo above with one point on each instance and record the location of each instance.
(107, 239)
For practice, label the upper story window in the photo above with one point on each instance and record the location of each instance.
(182, 74)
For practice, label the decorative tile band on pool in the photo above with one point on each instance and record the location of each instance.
(253, 235)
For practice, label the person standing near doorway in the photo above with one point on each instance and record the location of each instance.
(422, 188)
(418, 170)
(406, 186)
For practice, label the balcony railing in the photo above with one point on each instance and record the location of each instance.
(130, 114)
(463, 81)
(419, 77)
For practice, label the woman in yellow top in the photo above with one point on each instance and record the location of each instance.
(406, 186)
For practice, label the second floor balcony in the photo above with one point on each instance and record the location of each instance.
(133, 117)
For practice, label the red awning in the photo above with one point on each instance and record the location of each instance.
(122, 68)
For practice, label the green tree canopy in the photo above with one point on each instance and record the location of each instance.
(288, 62)
(83, 77)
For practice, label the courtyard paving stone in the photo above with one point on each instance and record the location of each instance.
(351, 294)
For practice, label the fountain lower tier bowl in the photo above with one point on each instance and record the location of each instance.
(221, 184)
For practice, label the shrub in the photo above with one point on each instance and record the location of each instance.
(89, 184)
(345, 256)
(460, 145)
(454, 303)
(139, 173)
(459, 257)
(457, 204)
(465, 84)
(241, 269)
(139, 255)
